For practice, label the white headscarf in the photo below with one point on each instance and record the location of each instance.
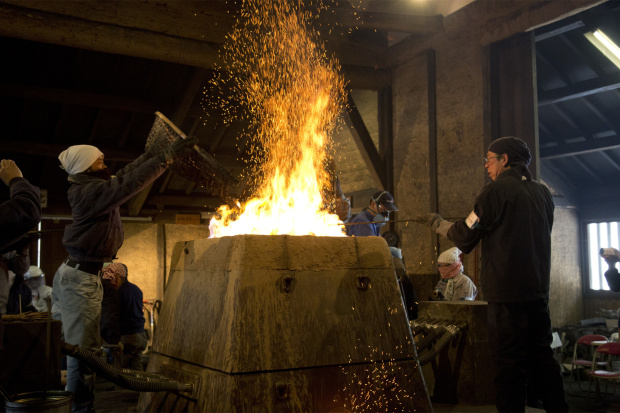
(450, 256)
(78, 158)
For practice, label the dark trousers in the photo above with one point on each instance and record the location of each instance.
(520, 336)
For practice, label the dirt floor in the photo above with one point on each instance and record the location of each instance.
(111, 399)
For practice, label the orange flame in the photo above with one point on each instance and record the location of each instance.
(294, 95)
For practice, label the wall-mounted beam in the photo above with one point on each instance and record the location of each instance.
(364, 143)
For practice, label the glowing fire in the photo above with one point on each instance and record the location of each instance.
(294, 95)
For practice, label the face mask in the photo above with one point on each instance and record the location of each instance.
(381, 218)
(104, 174)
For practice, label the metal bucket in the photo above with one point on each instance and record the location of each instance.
(54, 401)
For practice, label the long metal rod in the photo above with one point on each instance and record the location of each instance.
(417, 220)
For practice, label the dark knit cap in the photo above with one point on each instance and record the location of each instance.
(515, 148)
(519, 155)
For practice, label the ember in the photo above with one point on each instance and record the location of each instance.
(294, 94)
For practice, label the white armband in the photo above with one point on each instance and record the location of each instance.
(472, 220)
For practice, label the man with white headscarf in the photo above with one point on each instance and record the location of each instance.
(123, 313)
(92, 239)
(513, 217)
(454, 284)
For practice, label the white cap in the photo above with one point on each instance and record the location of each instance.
(33, 272)
(450, 256)
(78, 158)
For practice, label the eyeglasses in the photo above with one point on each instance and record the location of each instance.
(486, 160)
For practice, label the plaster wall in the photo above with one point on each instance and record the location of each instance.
(147, 251)
(139, 253)
(566, 292)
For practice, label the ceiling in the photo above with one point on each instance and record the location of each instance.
(578, 109)
(94, 72)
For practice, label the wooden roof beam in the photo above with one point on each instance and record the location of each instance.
(387, 22)
(64, 30)
(580, 148)
(97, 100)
(581, 89)
(52, 151)
(186, 201)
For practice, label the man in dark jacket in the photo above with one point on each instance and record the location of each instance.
(18, 215)
(93, 238)
(513, 216)
(23, 211)
(371, 219)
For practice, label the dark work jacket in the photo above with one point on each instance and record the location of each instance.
(131, 306)
(361, 230)
(20, 297)
(515, 221)
(19, 214)
(613, 279)
(96, 233)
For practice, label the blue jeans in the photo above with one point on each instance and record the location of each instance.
(76, 298)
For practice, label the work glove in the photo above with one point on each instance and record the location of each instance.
(435, 222)
(431, 219)
(179, 148)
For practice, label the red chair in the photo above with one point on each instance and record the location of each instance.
(606, 350)
(578, 364)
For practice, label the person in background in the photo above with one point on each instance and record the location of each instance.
(41, 293)
(14, 294)
(93, 238)
(611, 275)
(513, 217)
(110, 328)
(22, 211)
(454, 285)
(124, 316)
(410, 298)
(18, 215)
(372, 218)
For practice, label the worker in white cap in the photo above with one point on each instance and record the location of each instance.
(454, 285)
(92, 239)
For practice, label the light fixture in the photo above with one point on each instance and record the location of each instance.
(604, 33)
(605, 45)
